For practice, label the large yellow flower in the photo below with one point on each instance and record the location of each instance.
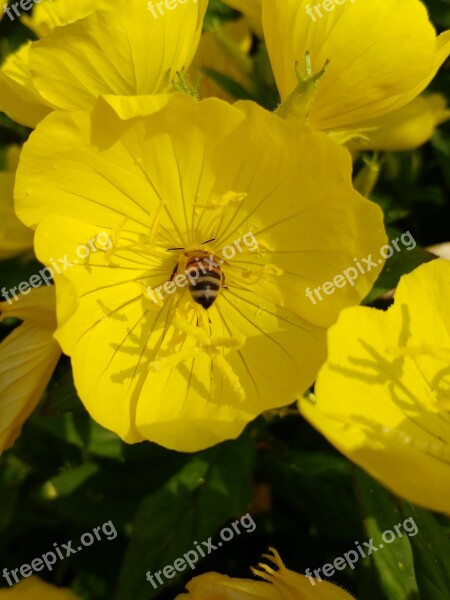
(123, 51)
(383, 397)
(280, 584)
(15, 238)
(204, 177)
(28, 357)
(381, 55)
(34, 588)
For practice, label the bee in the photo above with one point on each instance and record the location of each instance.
(205, 277)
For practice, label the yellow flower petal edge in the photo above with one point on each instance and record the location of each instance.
(170, 371)
(280, 584)
(28, 357)
(34, 588)
(48, 15)
(19, 98)
(15, 238)
(123, 52)
(373, 69)
(406, 128)
(383, 396)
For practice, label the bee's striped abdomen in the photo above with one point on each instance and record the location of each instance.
(207, 281)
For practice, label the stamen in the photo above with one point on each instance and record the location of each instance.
(224, 200)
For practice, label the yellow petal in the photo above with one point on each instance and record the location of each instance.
(383, 396)
(193, 172)
(406, 128)
(19, 98)
(48, 15)
(373, 68)
(15, 238)
(34, 588)
(28, 357)
(123, 52)
(280, 584)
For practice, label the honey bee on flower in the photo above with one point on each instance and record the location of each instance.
(184, 373)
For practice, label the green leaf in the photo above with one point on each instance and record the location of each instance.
(67, 482)
(319, 486)
(13, 473)
(81, 431)
(212, 488)
(393, 561)
(431, 550)
(61, 395)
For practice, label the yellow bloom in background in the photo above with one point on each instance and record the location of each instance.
(28, 357)
(15, 238)
(203, 177)
(383, 396)
(124, 51)
(252, 9)
(225, 51)
(280, 584)
(406, 128)
(381, 55)
(48, 15)
(34, 588)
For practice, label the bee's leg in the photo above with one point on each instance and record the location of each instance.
(225, 287)
(174, 272)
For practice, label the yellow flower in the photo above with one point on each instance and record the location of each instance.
(406, 128)
(15, 238)
(209, 178)
(34, 588)
(225, 51)
(381, 55)
(383, 396)
(124, 51)
(281, 584)
(28, 357)
(48, 15)
(252, 9)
